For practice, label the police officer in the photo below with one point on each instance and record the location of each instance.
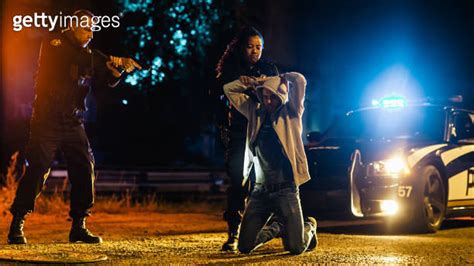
(67, 68)
(241, 58)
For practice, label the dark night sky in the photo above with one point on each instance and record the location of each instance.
(354, 51)
(350, 52)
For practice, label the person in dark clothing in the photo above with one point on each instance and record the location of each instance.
(241, 58)
(67, 69)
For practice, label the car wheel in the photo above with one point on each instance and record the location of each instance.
(431, 202)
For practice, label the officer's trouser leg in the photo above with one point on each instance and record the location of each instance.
(80, 167)
(40, 153)
(236, 192)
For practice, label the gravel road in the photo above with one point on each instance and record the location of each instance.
(138, 238)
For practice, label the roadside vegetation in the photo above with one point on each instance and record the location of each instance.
(58, 201)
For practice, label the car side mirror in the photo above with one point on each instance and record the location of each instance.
(314, 136)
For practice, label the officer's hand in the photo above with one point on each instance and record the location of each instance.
(125, 63)
(115, 72)
(248, 81)
(129, 64)
(115, 61)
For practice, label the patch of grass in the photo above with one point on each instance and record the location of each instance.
(153, 203)
(49, 204)
(190, 207)
(10, 182)
(58, 202)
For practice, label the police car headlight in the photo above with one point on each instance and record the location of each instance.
(389, 207)
(394, 167)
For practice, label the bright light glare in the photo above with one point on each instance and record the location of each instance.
(390, 102)
(395, 80)
(393, 101)
(394, 167)
(390, 259)
(389, 207)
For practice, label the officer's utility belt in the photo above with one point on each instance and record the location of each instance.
(276, 186)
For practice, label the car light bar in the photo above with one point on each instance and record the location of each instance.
(390, 102)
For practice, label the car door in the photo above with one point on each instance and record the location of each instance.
(459, 160)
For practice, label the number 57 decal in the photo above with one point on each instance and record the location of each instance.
(404, 191)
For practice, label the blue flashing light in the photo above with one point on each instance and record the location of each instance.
(124, 102)
(390, 102)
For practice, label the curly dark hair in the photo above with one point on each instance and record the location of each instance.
(232, 58)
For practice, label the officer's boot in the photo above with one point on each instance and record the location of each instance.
(80, 233)
(15, 235)
(233, 238)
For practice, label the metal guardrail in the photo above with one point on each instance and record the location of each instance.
(116, 181)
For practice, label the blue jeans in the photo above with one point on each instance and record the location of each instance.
(285, 204)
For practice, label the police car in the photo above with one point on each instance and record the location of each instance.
(410, 163)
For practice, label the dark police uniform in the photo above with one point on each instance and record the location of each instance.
(236, 128)
(65, 74)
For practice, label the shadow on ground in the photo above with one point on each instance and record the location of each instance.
(457, 223)
(378, 227)
(268, 255)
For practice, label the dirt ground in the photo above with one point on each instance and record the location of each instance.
(193, 238)
(136, 237)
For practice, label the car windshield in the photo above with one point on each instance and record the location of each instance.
(423, 123)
